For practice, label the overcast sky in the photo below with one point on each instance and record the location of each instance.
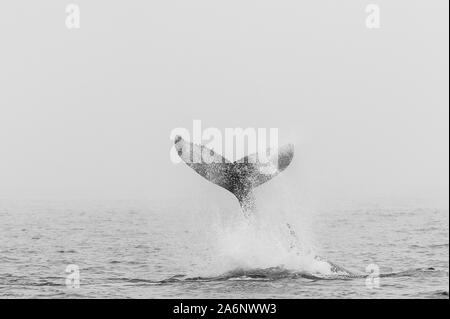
(87, 113)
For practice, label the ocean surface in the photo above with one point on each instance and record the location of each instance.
(126, 249)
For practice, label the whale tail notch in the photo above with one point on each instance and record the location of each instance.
(239, 177)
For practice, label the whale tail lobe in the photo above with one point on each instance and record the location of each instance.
(239, 177)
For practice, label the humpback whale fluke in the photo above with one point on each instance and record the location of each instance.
(239, 177)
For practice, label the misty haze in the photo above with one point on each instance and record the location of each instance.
(86, 170)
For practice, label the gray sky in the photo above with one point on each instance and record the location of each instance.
(87, 113)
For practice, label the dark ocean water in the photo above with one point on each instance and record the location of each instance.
(131, 250)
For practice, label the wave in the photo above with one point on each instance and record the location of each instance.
(280, 273)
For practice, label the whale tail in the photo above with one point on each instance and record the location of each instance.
(239, 177)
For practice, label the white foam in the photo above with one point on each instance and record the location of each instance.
(258, 245)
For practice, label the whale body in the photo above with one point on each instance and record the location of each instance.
(239, 177)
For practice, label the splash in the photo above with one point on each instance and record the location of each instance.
(270, 241)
